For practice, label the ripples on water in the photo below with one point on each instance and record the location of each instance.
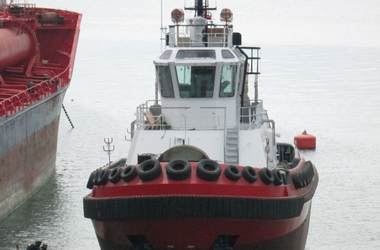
(332, 91)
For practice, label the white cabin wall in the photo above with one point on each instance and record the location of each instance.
(210, 141)
(251, 149)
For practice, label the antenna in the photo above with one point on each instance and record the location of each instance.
(200, 7)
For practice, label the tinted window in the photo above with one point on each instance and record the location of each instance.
(196, 81)
(227, 54)
(166, 54)
(227, 82)
(165, 79)
(188, 54)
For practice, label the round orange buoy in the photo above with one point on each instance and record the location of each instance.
(304, 141)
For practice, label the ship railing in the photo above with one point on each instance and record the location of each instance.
(33, 94)
(21, 10)
(252, 116)
(155, 117)
(208, 35)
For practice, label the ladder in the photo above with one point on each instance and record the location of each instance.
(231, 148)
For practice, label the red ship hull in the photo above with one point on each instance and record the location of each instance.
(202, 233)
(199, 214)
(37, 52)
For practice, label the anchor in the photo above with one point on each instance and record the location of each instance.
(108, 150)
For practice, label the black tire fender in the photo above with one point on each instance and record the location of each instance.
(208, 170)
(278, 178)
(115, 175)
(297, 181)
(232, 173)
(128, 173)
(103, 176)
(149, 170)
(266, 176)
(178, 169)
(250, 174)
(90, 182)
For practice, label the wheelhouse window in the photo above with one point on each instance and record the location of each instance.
(166, 54)
(195, 54)
(227, 82)
(165, 79)
(195, 81)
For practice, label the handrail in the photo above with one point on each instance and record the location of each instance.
(46, 88)
(199, 35)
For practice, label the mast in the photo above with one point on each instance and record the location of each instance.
(200, 7)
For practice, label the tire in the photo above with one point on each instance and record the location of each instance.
(149, 170)
(278, 178)
(103, 176)
(303, 177)
(208, 170)
(232, 173)
(90, 182)
(250, 174)
(178, 170)
(297, 181)
(115, 175)
(128, 173)
(95, 177)
(266, 176)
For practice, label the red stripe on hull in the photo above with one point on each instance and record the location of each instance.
(200, 234)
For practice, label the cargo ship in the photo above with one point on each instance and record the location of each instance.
(37, 52)
(204, 170)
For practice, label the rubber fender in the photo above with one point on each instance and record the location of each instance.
(115, 175)
(232, 173)
(103, 176)
(250, 174)
(90, 182)
(128, 173)
(278, 178)
(266, 176)
(178, 169)
(208, 170)
(149, 170)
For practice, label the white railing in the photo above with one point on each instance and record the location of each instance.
(252, 116)
(155, 117)
(200, 36)
(151, 116)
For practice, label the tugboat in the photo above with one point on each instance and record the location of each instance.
(204, 170)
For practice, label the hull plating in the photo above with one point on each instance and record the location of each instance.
(201, 234)
(28, 151)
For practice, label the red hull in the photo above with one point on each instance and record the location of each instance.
(202, 233)
(196, 214)
(37, 52)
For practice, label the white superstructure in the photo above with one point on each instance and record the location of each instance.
(202, 78)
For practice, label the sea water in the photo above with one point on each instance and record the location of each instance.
(320, 72)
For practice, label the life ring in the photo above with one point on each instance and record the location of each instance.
(149, 170)
(249, 174)
(178, 169)
(115, 175)
(278, 178)
(208, 170)
(128, 173)
(90, 182)
(266, 176)
(103, 176)
(232, 173)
